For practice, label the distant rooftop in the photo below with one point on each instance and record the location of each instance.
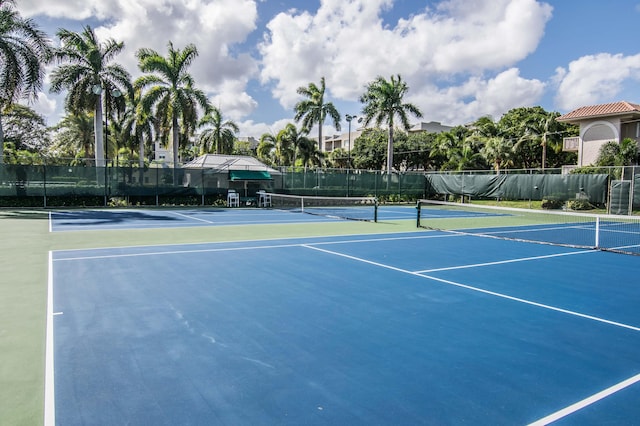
(602, 110)
(430, 127)
(227, 162)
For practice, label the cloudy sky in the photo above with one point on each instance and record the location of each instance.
(462, 59)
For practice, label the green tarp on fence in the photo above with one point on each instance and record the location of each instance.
(521, 187)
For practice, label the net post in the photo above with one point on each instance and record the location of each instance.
(418, 208)
(375, 210)
(597, 232)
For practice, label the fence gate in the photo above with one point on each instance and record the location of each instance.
(620, 201)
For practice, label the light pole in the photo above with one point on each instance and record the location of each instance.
(349, 117)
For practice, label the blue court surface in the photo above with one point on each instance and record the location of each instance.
(393, 329)
(87, 219)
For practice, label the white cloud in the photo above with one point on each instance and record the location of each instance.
(459, 61)
(71, 9)
(251, 128)
(594, 79)
(214, 27)
(475, 97)
(347, 42)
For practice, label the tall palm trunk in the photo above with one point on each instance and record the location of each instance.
(1, 142)
(390, 150)
(175, 139)
(544, 150)
(175, 142)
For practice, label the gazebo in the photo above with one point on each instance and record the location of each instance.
(245, 174)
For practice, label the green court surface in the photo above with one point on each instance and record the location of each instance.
(25, 244)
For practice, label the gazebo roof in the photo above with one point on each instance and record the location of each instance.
(228, 163)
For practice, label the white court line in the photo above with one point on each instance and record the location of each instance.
(49, 388)
(480, 290)
(586, 402)
(258, 247)
(164, 253)
(501, 262)
(190, 217)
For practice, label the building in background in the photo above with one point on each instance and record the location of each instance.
(600, 124)
(342, 140)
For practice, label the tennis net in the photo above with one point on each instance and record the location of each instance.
(573, 229)
(352, 208)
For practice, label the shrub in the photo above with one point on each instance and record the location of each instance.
(579, 205)
(551, 203)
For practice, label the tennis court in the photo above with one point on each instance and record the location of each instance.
(105, 219)
(389, 328)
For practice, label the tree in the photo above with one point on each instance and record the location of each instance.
(290, 139)
(383, 101)
(220, 137)
(74, 137)
(138, 125)
(497, 151)
(369, 149)
(339, 158)
(266, 149)
(624, 153)
(310, 155)
(87, 73)
(25, 128)
(171, 92)
(24, 51)
(313, 110)
(459, 149)
(540, 127)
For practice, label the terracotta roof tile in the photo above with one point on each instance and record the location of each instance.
(614, 108)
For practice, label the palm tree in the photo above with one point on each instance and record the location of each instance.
(539, 127)
(382, 103)
(313, 110)
(458, 148)
(310, 154)
(290, 140)
(220, 137)
(87, 73)
(24, 50)
(171, 91)
(75, 134)
(498, 151)
(497, 148)
(138, 125)
(266, 149)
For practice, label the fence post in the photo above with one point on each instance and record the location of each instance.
(44, 184)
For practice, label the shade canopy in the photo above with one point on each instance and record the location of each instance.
(249, 175)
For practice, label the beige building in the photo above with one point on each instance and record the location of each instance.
(600, 124)
(345, 141)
